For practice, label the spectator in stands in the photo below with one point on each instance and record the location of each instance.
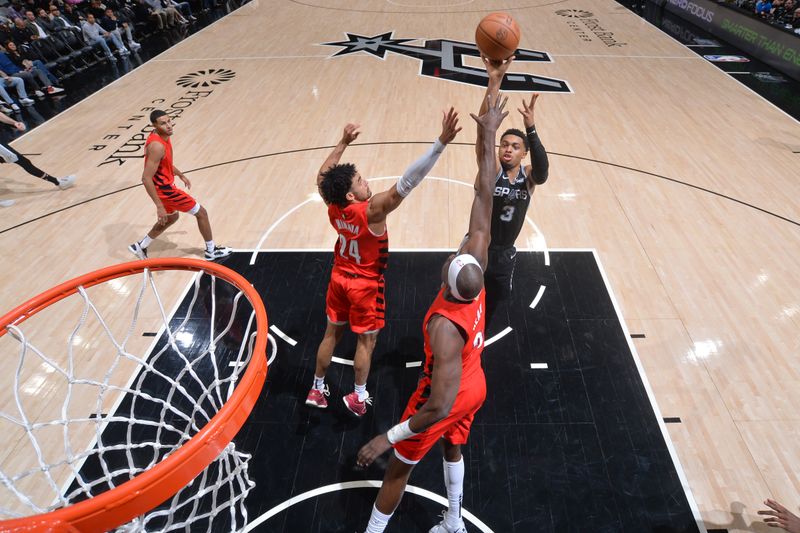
(44, 21)
(75, 16)
(34, 77)
(60, 22)
(94, 34)
(10, 106)
(795, 21)
(15, 11)
(763, 8)
(113, 24)
(22, 33)
(29, 63)
(183, 9)
(19, 86)
(97, 9)
(166, 14)
(31, 22)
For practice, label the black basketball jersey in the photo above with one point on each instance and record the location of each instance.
(509, 205)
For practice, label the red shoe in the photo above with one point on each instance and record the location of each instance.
(316, 398)
(354, 406)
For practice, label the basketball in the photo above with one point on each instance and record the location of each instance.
(497, 36)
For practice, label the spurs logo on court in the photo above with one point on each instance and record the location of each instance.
(442, 58)
(206, 78)
(575, 13)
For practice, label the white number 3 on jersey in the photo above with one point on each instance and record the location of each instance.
(508, 213)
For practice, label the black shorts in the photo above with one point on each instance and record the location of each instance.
(499, 274)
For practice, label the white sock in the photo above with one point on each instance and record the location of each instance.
(361, 390)
(319, 383)
(377, 521)
(210, 246)
(454, 483)
(144, 243)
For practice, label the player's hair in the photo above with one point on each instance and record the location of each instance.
(157, 114)
(336, 183)
(518, 133)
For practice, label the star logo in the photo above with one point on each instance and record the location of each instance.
(376, 45)
(444, 59)
(205, 78)
(575, 13)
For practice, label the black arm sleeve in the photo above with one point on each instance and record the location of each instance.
(540, 166)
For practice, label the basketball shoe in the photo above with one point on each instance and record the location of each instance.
(218, 253)
(441, 527)
(354, 406)
(316, 397)
(137, 250)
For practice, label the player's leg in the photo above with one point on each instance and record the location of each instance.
(337, 308)
(139, 248)
(10, 155)
(453, 466)
(498, 280)
(204, 225)
(390, 494)
(366, 317)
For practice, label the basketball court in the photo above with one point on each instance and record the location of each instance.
(643, 377)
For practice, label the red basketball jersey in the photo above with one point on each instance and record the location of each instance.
(358, 251)
(469, 316)
(163, 175)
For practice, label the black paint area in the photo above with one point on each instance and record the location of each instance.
(575, 447)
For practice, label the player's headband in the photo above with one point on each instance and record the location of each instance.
(459, 262)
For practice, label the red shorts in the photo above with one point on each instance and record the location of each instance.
(175, 199)
(454, 427)
(357, 300)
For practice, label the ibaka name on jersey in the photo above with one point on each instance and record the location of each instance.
(511, 194)
(347, 226)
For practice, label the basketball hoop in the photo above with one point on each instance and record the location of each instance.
(187, 427)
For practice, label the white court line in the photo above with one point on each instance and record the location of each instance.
(361, 484)
(659, 418)
(539, 366)
(539, 294)
(234, 58)
(413, 364)
(274, 329)
(281, 219)
(498, 336)
(342, 361)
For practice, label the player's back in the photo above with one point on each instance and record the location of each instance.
(358, 250)
(469, 316)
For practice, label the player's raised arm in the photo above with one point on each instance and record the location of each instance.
(540, 165)
(496, 69)
(351, 132)
(387, 201)
(480, 222)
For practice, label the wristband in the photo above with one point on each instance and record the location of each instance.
(401, 431)
(530, 130)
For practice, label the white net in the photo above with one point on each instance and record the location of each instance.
(86, 419)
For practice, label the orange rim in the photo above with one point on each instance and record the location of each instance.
(151, 488)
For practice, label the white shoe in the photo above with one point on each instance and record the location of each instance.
(15, 107)
(38, 94)
(218, 253)
(66, 182)
(26, 101)
(54, 90)
(135, 46)
(137, 250)
(6, 110)
(442, 528)
(6, 203)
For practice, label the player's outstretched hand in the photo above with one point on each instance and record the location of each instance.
(494, 114)
(527, 111)
(496, 68)
(780, 516)
(372, 450)
(449, 126)
(351, 132)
